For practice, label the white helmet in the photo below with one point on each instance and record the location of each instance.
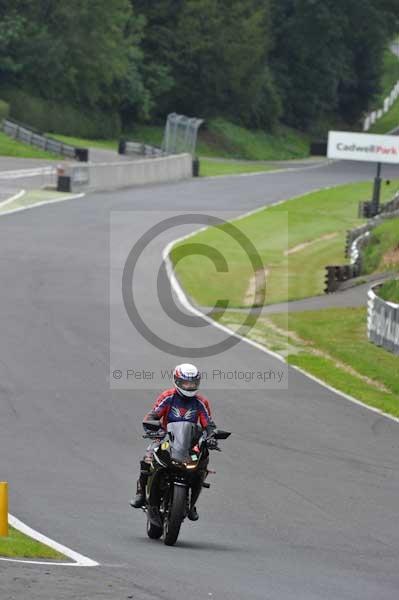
(187, 379)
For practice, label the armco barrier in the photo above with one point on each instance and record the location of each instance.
(356, 238)
(111, 176)
(31, 136)
(383, 322)
(136, 148)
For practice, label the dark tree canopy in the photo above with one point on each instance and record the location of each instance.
(257, 62)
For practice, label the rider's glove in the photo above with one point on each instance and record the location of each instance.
(212, 444)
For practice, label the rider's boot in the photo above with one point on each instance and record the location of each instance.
(139, 500)
(195, 492)
(193, 514)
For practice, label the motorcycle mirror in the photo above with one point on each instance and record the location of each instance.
(219, 434)
(152, 425)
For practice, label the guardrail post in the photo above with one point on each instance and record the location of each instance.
(196, 167)
(331, 284)
(375, 202)
(82, 154)
(122, 146)
(3, 508)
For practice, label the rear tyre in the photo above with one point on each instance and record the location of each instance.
(173, 520)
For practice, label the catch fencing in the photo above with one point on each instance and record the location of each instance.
(383, 322)
(31, 136)
(181, 134)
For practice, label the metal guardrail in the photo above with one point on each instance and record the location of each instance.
(126, 147)
(355, 240)
(31, 136)
(382, 322)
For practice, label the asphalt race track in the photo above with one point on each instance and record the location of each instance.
(304, 504)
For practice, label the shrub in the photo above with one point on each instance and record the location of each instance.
(48, 116)
(4, 109)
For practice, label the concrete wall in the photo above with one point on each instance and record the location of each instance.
(116, 175)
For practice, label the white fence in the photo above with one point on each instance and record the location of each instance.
(383, 322)
(372, 117)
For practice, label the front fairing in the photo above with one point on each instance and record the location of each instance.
(181, 437)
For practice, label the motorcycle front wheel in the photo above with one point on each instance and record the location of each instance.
(175, 516)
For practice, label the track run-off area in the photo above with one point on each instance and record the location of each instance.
(304, 501)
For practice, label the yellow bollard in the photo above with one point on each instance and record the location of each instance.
(3, 508)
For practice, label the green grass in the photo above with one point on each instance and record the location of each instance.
(33, 197)
(212, 168)
(390, 76)
(389, 291)
(390, 120)
(18, 545)
(228, 140)
(11, 147)
(378, 255)
(301, 221)
(147, 134)
(331, 344)
(220, 139)
(86, 143)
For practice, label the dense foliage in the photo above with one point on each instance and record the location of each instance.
(258, 62)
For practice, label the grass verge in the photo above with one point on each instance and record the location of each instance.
(221, 139)
(332, 345)
(86, 143)
(382, 251)
(390, 120)
(33, 197)
(11, 147)
(18, 545)
(389, 291)
(228, 140)
(309, 230)
(390, 76)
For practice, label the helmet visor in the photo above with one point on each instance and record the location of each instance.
(188, 385)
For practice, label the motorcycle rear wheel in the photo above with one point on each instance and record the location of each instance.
(173, 520)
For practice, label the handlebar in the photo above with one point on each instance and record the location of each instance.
(154, 435)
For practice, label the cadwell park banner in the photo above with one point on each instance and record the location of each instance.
(347, 145)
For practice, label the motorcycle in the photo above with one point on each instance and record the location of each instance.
(178, 471)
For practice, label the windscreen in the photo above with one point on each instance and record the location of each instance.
(181, 436)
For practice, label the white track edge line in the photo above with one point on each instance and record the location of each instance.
(346, 396)
(271, 171)
(80, 559)
(37, 204)
(13, 198)
(176, 287)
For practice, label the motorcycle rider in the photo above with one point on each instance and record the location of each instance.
(181, 403)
